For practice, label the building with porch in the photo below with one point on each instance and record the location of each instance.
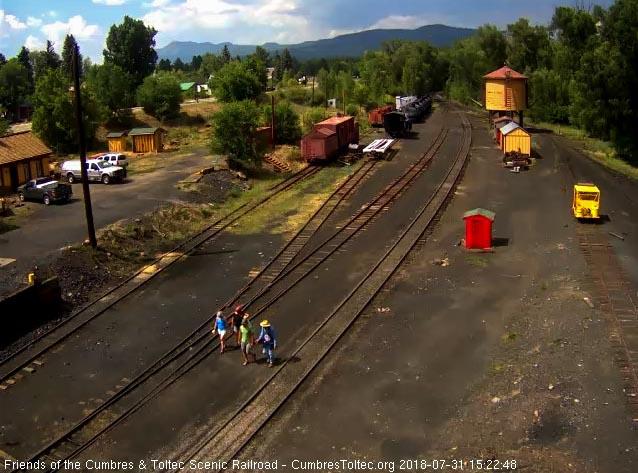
(22, 157)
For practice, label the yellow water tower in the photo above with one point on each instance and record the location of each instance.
(505, 93)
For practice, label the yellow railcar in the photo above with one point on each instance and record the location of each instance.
(586, 203)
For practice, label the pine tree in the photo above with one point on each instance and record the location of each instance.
(67, 56)
(225, 55)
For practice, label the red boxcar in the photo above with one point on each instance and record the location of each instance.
(375, 117)
(319, 144)
(343, 127)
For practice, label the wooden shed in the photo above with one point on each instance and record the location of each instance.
(146, 140)
(515, 139)
(117, 141)
(22, 157)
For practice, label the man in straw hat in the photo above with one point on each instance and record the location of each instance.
(268, 341)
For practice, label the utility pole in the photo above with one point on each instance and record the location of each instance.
(85, 179)
(313, 89)
(272, 120)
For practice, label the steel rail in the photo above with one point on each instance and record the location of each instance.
(74, 449)
(320, 216)
(108, 299)
(229, 439)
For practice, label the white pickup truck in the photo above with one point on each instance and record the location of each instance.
(97, 170)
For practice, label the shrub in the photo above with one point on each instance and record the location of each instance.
(352, 109)
(312, 116)
(234, 133)
(287, 128)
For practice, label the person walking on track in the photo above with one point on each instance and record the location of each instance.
(220, 329)
(236, 318)
(268, 341)
(247, 340)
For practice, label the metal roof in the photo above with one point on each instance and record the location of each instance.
(586, 187)
(510, 127)
(19, 146)
(335, 120)
(502, 74)
(144, 131)
(117, 134)
(320, 133)
(485, 213)
(184, 86)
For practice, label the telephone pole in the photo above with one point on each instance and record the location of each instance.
(88, 210)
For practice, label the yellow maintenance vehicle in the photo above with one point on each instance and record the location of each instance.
(586, 202)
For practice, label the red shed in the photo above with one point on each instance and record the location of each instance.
(320, 143)
(478, 229)
(344, 128)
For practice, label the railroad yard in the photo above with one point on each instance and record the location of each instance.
(394, 342)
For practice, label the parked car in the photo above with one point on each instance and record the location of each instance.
(97, 170)
(46, 190)
(116, 159)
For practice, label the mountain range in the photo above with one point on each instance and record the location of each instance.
(347, 45)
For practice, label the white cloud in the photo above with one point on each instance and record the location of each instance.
(156, 3)
(31, 21)
(76, 26)
(110, 2)
(250, 22)
(11, 21)
(32, 43)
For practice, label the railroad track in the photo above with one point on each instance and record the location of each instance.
(234, 434)
(30, 357)
(614, 295)
(198, 346)
(84, 432)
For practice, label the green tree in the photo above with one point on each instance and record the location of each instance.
(3, 59)
(376, 73)
(178, 65)
(225, 55)
(14, 86)
(196, 63)
(287, 126)
(25, 61)
(210, 64)
(529, 46)
(4, 124)
(164, 65)
(113, 86)
(235, 82)
(67, 56)
(493, 43)
(51, 58)
(131, 46)
(312, 117)
(160, 96)
(54, 118)
(234, 133)
(361, 94)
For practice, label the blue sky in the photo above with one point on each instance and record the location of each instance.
(32, 22)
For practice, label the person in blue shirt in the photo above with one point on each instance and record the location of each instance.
(268, 341)
(220, 329)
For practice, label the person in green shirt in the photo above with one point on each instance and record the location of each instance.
(247, 340)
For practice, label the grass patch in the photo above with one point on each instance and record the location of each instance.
(7, 226)
(152, 162)
(598, 150)
(291, 210)
(477, 260)
(509, 337)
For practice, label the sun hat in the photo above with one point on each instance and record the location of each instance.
(264, 323)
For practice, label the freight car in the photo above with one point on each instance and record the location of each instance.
(417, 109)
(396, 124)
(328, 138)
(375, 117)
